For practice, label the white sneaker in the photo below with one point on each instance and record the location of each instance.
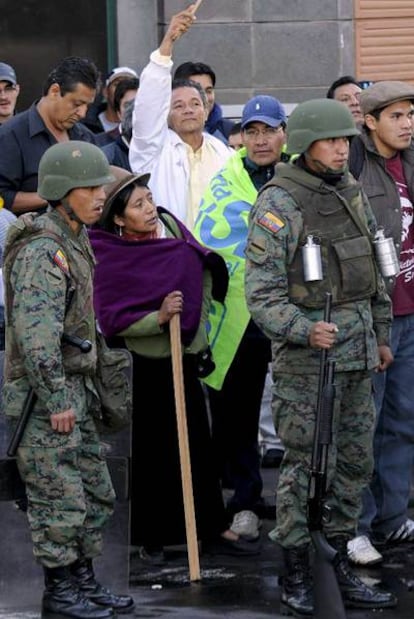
(405, 533)
(246, 524)
(362, 552)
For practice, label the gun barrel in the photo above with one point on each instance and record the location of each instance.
(28, 406)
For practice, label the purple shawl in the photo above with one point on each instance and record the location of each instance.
(132, 278)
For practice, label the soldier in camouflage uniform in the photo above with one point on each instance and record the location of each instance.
(48, 264)
(315, 195)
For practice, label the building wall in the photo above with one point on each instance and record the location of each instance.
(384, 39)
(138, 25)
(35, 36)
(292, 50)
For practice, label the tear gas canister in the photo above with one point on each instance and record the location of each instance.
(312, 263)
(386, 254)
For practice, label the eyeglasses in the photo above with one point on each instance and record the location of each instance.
(267, 132)
(7, 90)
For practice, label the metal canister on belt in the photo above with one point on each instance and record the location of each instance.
(386, 254)
(311, 257)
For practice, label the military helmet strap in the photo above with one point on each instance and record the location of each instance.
(69, 211)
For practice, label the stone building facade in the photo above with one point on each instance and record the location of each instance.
(292, 50)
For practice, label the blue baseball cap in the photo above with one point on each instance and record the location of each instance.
(7, 74)
(264, 109)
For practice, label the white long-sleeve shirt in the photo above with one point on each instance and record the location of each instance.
(158, 150)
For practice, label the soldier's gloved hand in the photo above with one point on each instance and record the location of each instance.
(63, 422)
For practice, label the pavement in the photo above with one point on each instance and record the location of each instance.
(237, 587)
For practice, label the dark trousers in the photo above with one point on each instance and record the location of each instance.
(157, 517)
(2, 328)
(235, 412)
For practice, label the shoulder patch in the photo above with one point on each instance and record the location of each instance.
(271, 222)
(59, 259)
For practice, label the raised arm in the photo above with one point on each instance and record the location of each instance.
(152, 103)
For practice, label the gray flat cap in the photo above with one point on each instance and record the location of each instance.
(382, 94)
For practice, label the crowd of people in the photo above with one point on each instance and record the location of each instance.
(123, 208)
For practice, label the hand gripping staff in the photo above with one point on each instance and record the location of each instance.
(327, 595)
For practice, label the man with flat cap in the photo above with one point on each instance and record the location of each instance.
(382, 157)
(9, 91)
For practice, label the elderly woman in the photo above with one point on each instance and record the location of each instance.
(150, 267)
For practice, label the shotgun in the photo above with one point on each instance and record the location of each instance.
(327, 595)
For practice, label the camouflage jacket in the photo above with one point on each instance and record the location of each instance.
(274, 241)
(48, 286)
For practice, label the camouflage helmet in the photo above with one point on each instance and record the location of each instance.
(318, 119)
(69, 165)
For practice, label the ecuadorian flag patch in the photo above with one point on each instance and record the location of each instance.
(271, 222)
(59, 259)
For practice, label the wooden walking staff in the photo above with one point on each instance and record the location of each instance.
(186, 479)
(196, 5)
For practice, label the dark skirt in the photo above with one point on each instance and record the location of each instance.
(157, 511)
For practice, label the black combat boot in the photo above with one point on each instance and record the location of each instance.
(296, 597)
(355, 593)
(82, 572)
(62, 598)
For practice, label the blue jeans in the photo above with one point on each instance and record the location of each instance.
(385, 502)
(1, 327)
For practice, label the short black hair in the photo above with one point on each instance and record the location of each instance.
(235, 129)
(129, 83)
(186, 83)
(71, 71)
(377, 113)
(126, 122)
(187, 69)
(341, 81)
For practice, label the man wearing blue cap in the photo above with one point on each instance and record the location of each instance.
(236, 386)
(9, 91)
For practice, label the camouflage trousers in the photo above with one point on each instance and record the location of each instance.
(69, 489)
(350, 459)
